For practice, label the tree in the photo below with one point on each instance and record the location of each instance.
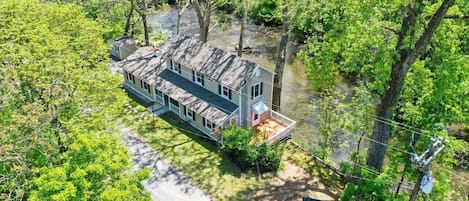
(181, 7)
(408, 53)
(129, 18)
(142, 11)
(244, 9)
(55, 84)
(358, 42)
(92, 170)
(203, 9)
(281, 57)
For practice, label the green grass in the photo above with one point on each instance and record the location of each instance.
(199, 159)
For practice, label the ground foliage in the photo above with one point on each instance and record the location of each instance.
(58, 103)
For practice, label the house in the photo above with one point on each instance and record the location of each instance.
(208, 87)
(122, 47)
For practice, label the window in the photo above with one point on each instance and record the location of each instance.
(145, 86)
(174, 102)
(256, 90)
(209, 125)
(224, 92)
(198, 78)
(175, 67)
(189, 113)
(130, 77)
(256, 116)
(158, 93)
(174, 106)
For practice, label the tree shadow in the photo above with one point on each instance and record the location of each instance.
(226, 165)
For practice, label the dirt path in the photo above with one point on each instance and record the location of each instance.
(165, 182)
(292, 183)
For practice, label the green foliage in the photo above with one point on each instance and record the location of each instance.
(239, 143)
(330, 110)
(56, 89)
(110, 14)
(92, 169)
(267, 11)
(370, 186)
(358, 40)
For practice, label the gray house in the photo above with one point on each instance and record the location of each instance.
(208, 87)
(122, 47)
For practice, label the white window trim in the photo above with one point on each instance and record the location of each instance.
(189, 113)
(175, 66)
(258, 86)
(159, 97)
(198, 76)
(208, 124)
(227, 96)
(173, 107)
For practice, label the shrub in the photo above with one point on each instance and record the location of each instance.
(239, 143)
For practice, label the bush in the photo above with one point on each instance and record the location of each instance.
(239, 143)
(268, 12)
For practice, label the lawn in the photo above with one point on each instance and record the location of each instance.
(198, 158)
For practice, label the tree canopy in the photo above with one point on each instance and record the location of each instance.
(58, 108)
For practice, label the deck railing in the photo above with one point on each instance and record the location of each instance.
(284, 133)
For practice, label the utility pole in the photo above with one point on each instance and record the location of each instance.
(422, 163)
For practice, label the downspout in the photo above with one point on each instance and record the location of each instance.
(240, 93)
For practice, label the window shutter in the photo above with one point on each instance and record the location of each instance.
(185, 112)
(219, 89)
(229, 94)
(193, 115)
(202, 76)
(193, 75)
(252, 92)
(141, 84)
(203, 121)
(262, 86)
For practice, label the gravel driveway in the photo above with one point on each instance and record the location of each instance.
(166, 183)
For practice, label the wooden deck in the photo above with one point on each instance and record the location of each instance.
(268, 128)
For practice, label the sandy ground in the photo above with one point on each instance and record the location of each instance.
(292, 183)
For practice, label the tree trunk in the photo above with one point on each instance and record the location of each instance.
(203, 11)
(399, 71)
(142, 9)
(241, 31)
(178, 23)
(279, 65)
(145, 29)
(129, 18)
(180, 14)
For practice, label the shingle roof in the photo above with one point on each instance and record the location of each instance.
(221, 66)
(143, 63)
(147, 65)
(209, 105)
(124, 40)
